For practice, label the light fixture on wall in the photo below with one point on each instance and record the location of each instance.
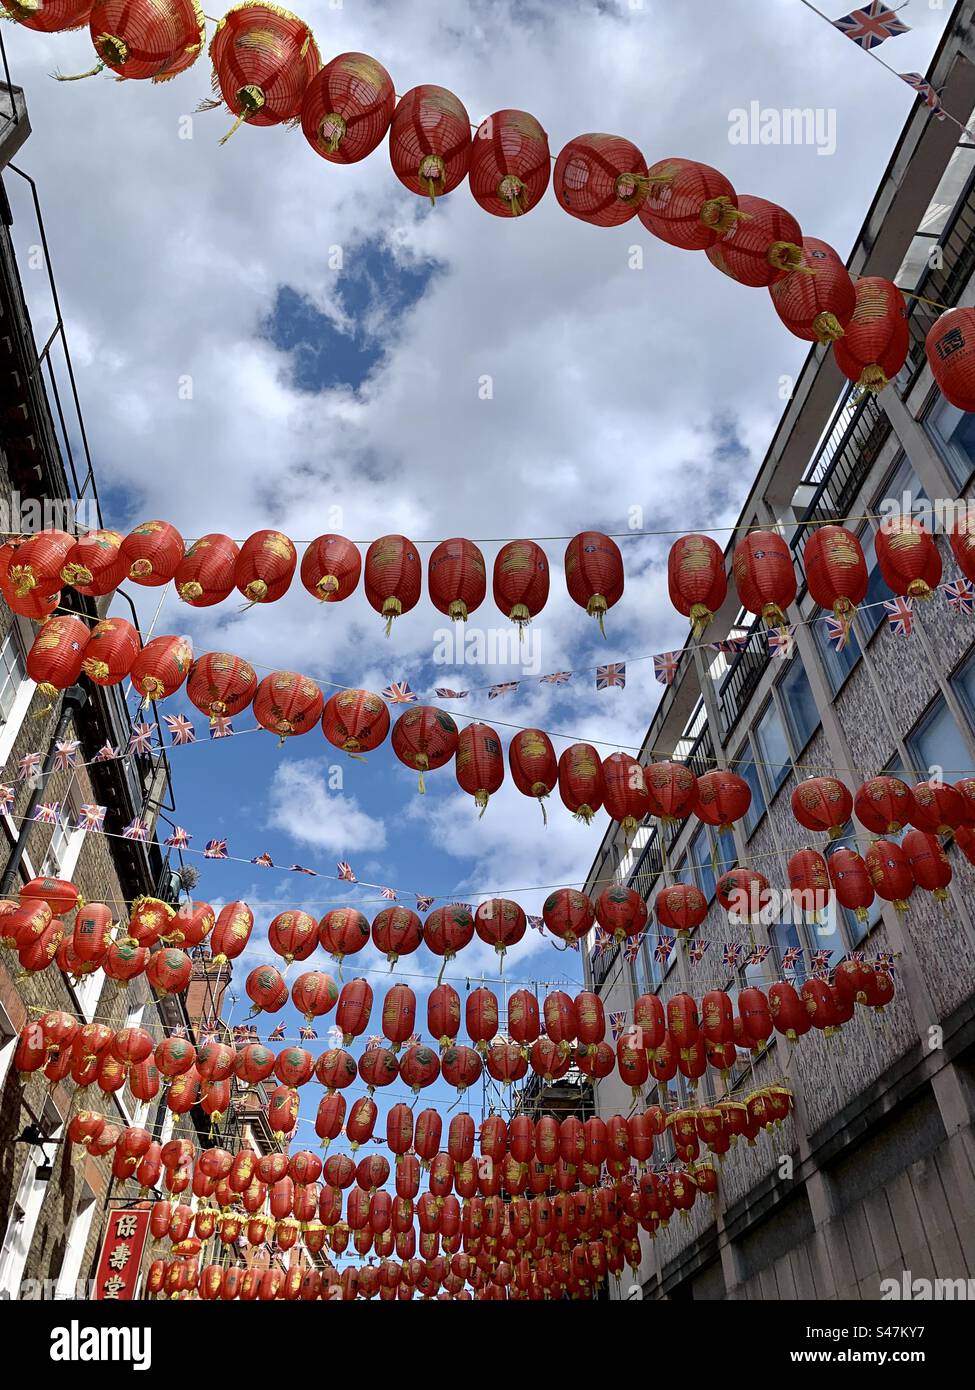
(33, 1134)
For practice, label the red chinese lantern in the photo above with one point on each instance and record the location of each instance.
(962, 538)
(547, 1061)
(330, 568)
(112, 647)
(91, 931)
(293, 935)
(161, 667)
(688, 205)
(761, 246)
(950, 350)
(124, 960)
(378, 1066)
(568, 914)
(696, 579)
(425, 738)
(890, 873)
(601, 179)
(347, 108)
(581, 784)
(282, 1111)
(755, 1013)
(220, 683)
(342, 932)
(878, 989)
(57, 654)
(231, 932)
(152, 551)
(263, 60)
(789, 1014)
(49, 16)
(94, 564)
(521, 580)
(448, 930)
(594, 573)
(353, 1010)
(965, 840)
(60, 895)
(205, 575)
(396, 931)
(430, 141)
(456, 578)
(143, 41)
(287, 703)
(851, 881)
(266, 990)
(357, 721)
(265, 566)
(534, 768)
(722, 798)
(928, 862)
(33, 566)
(743, 893)
(909, 560)
(481, 1017)
(816, 301)
(681, 907)
(671, 791)
(191, 925)
(501, 923)
(169, 971)
(507, 1063)
(884, 805)
(836, 571)
(419, 1068)
(149, 920)
(621, 912)
(822, 803)
(314, 994)
(939, 808)
(877, 339)
(626, 796)
(335, 1069)
(443, 1013)
(510, 164)
(393, 577)
(479, 763)
(809, 881)
(965, 786)
(173, 1056)
(765, 576)
(399, 1015)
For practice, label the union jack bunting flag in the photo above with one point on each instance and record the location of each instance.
(604, 941)
(215, 849)
(7, 795)
(48, 813)
(617, 1021)
(66, 753)
(505, 688)
(961, 595)
(696, 953)
(399, 693)
(731, 954)
(665, 667)
(220, 726)
(900, 615)
(781, 642)
(884, 961)
(209, 1030)
(300, 869)
(556, 678)
(819, 960)
(423, 903)
(465, 906)
(29, 766)
(263, 861)
(759, 955)
(106, 753)
(924, 90)
(859, 956)
(446, 693)
(306, 1032)
(663, 948)
(243, 1031)
(837, 633)
(388, 893)
(612, 674)
(136, 830)
(345, 872)
(334, 1035)
(91, 817)
(373, 1040)
(140, 739)
(413, 1040)
(180, 728)
(791, 957)
(632, 948)
(179, 839)
(730, 644)
(537, 923)
(870, 25)
(277, 1033)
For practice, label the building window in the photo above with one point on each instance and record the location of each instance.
(13, 671)
(938, 745)
(74, 1251)
(66, 840)
(870, 614)
(773, 748)
(837, 665)
(963, 682)
(747, 769)
(700, 856)
(953, 432)
(800, 709)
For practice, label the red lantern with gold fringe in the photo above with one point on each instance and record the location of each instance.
(443, 1013)
(909, 560)
(425, 738)
(221, 684)
(49, 16)
(479, 763)
(671, 791)
(928, 863)
(95, 565)
(34, 565)
(113, 646)
(293, 935)
(342, 932)
(169, 971)
(601, 179)
(265, 566)
(357, 721)
(396, 931)
(939, 808)
(347, 108)
(314, 994)
(626, 796)
(501, 923)
(448, 930)
(263, 60)
(143, 41)
(430, 141)
(521, 581)
(231, 932)
(354, 1008)
(419, 1068)
(91, 931)
(761, 246)
(765, 576)
(688, 204)
(330, 568)
(457, 578)
(877, 339)
(266, 990)
(722, 798)
(836, 571)
(696, 579)
(890, 873)
(287, 703)
(594, 573)
(621, 912)
(161, 667)
(399, 1015)
(822, 803)
(809, 881)
(510, 164)
(393, 577)
(851, 881)
(533, 764)
(568, 914)
(581, 785)
(743, 893)
(57, 654)
(152, 551)
(816, 301)
(884, 805)
(950, 350)
(481, 1017)
(680, 907)
(205, 575)
(789, 1013)
(756, 1017)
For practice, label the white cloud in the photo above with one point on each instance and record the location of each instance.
(302, 805)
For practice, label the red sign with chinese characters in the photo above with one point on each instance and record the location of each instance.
(121, 1257)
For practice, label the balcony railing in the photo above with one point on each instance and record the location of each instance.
(741, 681)
(944, 283)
